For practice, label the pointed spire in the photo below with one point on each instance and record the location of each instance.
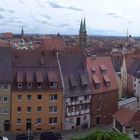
(81, 26)
(22, 31)
(84, 26)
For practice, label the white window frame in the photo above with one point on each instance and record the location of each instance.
(39, 110)
(30, 99)
(29, 111)
(6, 112)
(53, 109)
(19, 85)
(19, 123)
(38, 123)
(52, 99)
(19, 111)
(53, 123)
(18, 99)
(5, 101)
(29, 85)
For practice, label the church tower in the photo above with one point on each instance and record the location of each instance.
(83, 34)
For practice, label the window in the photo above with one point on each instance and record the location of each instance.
(39, 109)
(53, 84)
(5, 99)
(39, 97)
(71, 120)
(53, 121)
(29, 97)
(5, 111)
(38, 121)
(97, 86)
(19, 85)
(86, 97)
(19, 109)
(18, 121)
(53, 109)
(53, 97)
(5, 86)
(29, 85)
(0, 99)
(0, 86)
(38, 85)
(19, 97)
(29, 109)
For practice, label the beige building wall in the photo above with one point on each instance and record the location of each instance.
(5, 102)
(119, 81)
(45, 114)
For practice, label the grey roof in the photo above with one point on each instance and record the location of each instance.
(5, 65)
(75, 76)
(30, 61)
(134, 69)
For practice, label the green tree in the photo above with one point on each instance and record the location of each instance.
(104, 135)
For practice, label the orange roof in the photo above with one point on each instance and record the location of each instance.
(53, 43)
(109, 76)
(106, 78)
(126, 116)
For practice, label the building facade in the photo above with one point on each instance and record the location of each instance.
(37, 94)
(77, 91)
(5, 89)
(104, 101)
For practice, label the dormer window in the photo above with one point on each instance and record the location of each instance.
(19, 79)
(103, 69)
(96, 81)
(73, 82)
(39, 79)
(53, 84)
(84, 80)
(93, 70)
(19, 85)
(39, 85)
(106, 80)
(29, 85)
(53, 79)
(97, 85)
(29, 79)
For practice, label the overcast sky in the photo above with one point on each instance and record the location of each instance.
(110, 17)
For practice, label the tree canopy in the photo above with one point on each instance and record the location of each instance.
(104, 135)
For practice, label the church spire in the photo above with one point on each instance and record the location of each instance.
(84, 25)
(22, 31)
(81, 25)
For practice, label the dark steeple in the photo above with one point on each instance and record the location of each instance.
(22, 31)
(83, 34)
(84, 26)
(81, 26)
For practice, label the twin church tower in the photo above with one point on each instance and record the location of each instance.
(83, 34)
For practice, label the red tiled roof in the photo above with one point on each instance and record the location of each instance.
(109, 76)
(53, 43)
(106, 78)
(126, 116)
(95, 79)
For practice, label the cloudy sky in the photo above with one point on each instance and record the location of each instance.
(110, 17)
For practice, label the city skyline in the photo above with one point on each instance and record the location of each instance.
(110, 17)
